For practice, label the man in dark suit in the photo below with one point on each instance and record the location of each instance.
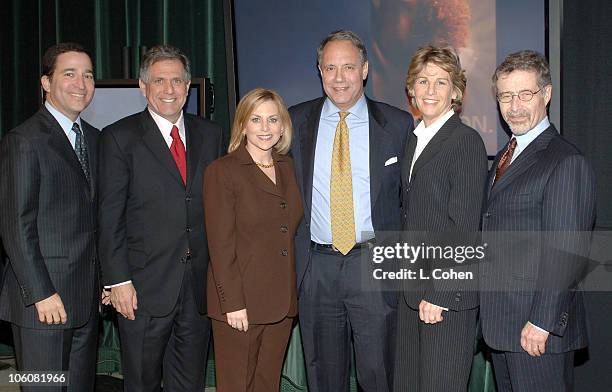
(347, 150)
(153, 246)
(51, 291)
(540, 194)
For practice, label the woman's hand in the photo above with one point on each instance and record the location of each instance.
(238, 320)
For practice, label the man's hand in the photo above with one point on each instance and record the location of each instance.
(430, 313)
(51, 310)
(533, 340)
(124, 300)
(238, 320)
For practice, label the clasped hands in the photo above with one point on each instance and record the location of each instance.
(123, 298)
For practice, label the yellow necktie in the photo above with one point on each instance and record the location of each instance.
(341, 190)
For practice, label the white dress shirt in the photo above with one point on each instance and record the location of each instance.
(425, 134)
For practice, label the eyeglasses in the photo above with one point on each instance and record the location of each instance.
(524, 95)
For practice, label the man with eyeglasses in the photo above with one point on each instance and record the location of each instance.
(540, 187)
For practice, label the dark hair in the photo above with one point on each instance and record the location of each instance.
(525, 60)
(161, 53)
(49, 59)
(343, 35)
(444, 57)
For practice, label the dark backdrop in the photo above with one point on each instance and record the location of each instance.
(587, 118)
(104, 27)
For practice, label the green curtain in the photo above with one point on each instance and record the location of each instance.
(105, 27)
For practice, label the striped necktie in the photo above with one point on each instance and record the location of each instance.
(80, 148)
(505, 160)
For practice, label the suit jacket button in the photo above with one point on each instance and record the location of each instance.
(188, 229)
(283, 229)
(283, 205)
(188, 199)
(487, 214)
(284, 252)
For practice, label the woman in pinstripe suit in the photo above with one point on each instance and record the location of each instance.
(443, 178)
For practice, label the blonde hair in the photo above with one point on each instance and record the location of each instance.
(245, 108)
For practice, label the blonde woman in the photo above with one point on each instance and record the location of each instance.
(252, 208)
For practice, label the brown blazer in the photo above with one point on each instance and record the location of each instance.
(251, 224)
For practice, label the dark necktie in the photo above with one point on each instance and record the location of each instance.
(177, 149)
(80, 148)
(505, 160)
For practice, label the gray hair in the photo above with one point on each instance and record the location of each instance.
(525, 60)
(160, 53)
(343, 35)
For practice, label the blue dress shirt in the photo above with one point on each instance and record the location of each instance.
(359, 143)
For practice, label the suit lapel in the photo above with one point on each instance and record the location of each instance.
(308, 141)
(379, 145)
(436, 143)
(408, 156)
(194, 147)
(59, 143)
(491, 175)
(524, 161)
(259, 178)
(92, 148)
(155, 142)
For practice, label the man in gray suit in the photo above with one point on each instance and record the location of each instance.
(540, 193)
(48, 204)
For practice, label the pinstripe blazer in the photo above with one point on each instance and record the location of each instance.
(550, 187)
(48, 222)
(444, 195)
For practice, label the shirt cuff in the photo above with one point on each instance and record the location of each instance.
(536, 327)
(441, 307)
(110, 286)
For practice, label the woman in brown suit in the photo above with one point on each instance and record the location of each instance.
(252, 208)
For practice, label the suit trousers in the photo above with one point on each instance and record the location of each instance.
(434, 357)
(71, 350)
(520, 372)
(175, 345)
(250, 361)
(335, 310)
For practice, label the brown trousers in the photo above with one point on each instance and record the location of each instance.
(250, 361)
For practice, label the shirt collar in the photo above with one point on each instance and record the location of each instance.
(359, 109)
(165, 126)
(523, 140)
(421, 130)
(61, 118)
